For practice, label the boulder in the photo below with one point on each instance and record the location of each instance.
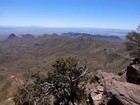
(112, 89)
(121, 89)
(120, 93)
(133, 73)
(98, 88)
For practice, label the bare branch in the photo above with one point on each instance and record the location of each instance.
(138, 28)
(83, 74)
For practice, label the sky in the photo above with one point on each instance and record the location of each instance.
(118, 14)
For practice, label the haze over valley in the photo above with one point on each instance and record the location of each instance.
(37, 31)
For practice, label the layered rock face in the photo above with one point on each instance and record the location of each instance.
(118, 90)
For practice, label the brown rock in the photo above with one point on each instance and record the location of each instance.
(121, 93)
(114, 90)
(101, 77)
(133, 74)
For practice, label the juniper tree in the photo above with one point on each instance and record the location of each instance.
(67, 76)
(133, 43)
(64, 83)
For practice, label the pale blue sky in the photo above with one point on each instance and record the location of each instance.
(119, 14)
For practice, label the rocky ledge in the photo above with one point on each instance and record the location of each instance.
(122, 89)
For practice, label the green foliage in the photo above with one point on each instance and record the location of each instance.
(133, 44)
(63, 74)
(33, 91)
(64, 84)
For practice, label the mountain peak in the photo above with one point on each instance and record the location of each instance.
(12, 36)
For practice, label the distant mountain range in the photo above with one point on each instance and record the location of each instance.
(17, 51)
(5, 31)
(115, 40)
(20, 54)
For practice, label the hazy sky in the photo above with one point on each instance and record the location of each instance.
(121, 14)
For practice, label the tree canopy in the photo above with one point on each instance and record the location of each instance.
(63, 85)
(133, 43)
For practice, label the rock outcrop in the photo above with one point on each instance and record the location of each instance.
(133, 71)
(133, 74)
(122, 89)
(120, 93)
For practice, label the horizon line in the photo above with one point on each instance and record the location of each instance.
(35, 26)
